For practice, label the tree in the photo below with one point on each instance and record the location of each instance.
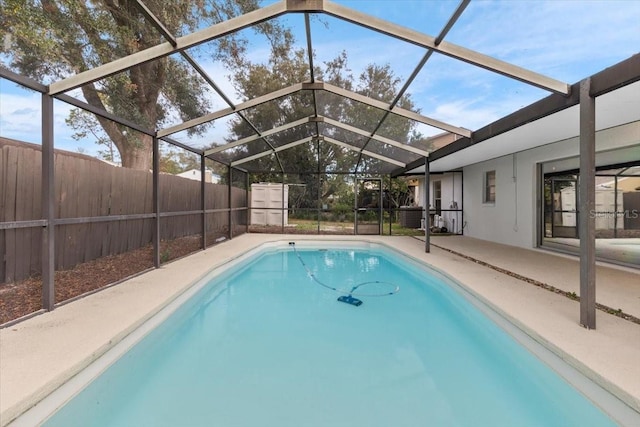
(287, 66)
(397, 194)
(84, 125)
(52, 39)
(175, 160)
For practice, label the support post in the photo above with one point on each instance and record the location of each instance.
(540, 213)
(380, 208)
(427, 228)
(587, 206)
(319, 202)
(156, 202)
(615, 205)
(248, 203)
(48, 205)
(462, 223)
(319, 184)
(282, 202)
(553, 214)
(389, 202)
(355, 204)
(203, 206)
(229, 187)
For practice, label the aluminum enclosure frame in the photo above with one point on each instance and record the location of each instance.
(180, 44)
(563, 96)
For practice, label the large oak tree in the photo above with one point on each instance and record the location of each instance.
(52, 39)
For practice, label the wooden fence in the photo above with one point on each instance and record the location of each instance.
(87, 187)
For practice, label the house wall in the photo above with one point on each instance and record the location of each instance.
(451, 191)
(512, 218)
(451, 187)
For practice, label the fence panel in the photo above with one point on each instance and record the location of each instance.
(87, 187)
(3, 202)
(9, 191)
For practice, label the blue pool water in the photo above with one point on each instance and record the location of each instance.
(269, 346)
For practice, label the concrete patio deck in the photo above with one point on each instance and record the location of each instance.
(616, 287)
(39, 354)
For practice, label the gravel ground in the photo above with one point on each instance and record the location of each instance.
(24, 297)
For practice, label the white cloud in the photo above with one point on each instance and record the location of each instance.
(19, 114)
(567, 40)
(216, 134)
(21, 119)
(469, 112)
(402, 57)
(222, 78)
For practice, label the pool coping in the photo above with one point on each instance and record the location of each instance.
(10, 414)
(45, 408)
(614, 401)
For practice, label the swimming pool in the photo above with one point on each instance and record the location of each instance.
(269, 345)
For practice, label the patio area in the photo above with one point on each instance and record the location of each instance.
(617, 286)
(152, 131)
(39, 354)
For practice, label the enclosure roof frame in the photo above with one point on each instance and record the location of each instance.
(432, 44)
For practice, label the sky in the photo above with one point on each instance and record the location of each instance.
(565, 40)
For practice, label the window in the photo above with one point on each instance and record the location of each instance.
(616, 210)
(489, 187)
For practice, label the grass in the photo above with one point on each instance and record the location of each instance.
(307, 225)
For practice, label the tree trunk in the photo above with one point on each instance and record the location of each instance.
(138, 156)
(136, 152)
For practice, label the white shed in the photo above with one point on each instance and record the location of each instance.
(269, 202)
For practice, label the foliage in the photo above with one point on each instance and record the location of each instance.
(175, 161)
(398, 194)
(342, 208)
(315, 164)
(84, 125)
(53, 39)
